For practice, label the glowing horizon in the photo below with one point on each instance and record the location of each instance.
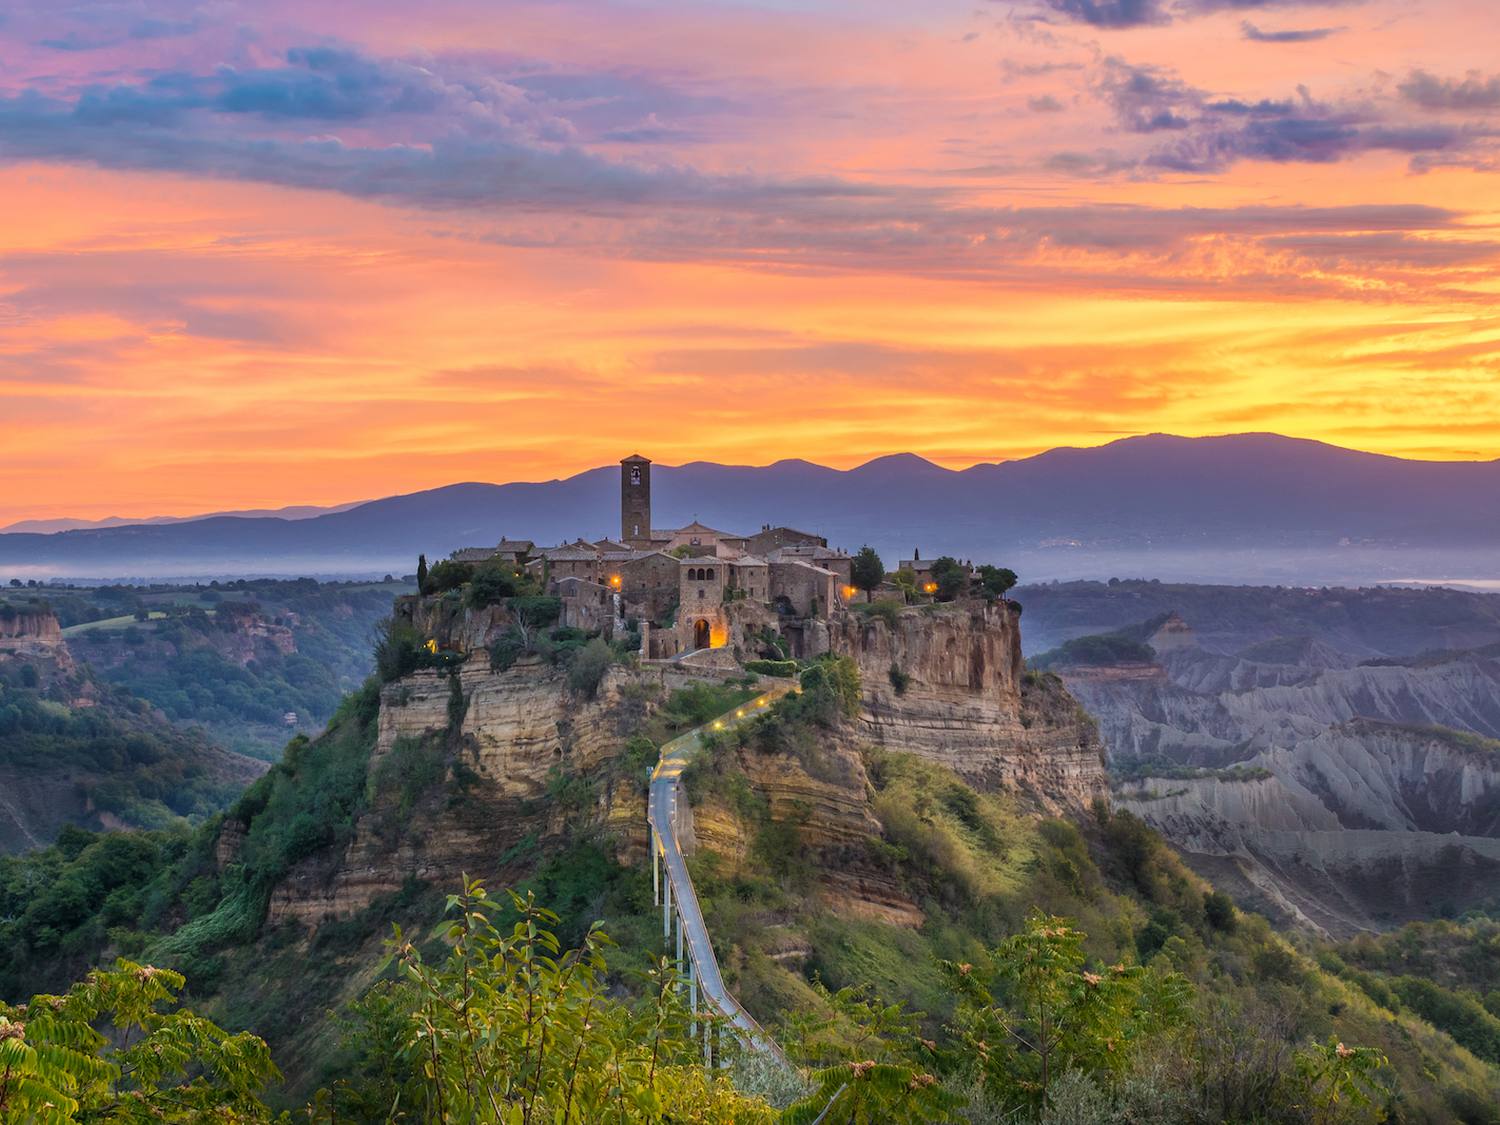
(261, 256)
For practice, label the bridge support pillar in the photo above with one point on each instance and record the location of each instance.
(655, 871)
(692, 1000)
(666, 910)
(679, 943)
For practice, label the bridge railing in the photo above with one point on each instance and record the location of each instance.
(662, 806)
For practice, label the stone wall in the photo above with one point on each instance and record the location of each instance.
(586, 605)
(810, 591)
(650, 584)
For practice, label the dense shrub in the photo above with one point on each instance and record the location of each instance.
(886, 609)
(448, 575)
(1100, 650)
(538, 611)
(900, 681)
(586, 671)
(493, 582)
(780, 668)
(1218, 911)
(1459, 1015)
(398, 650)
(830, 691)
(410, 768)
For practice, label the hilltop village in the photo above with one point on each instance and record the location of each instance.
(696, 592)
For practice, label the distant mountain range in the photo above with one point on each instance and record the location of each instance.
(68, 523)
(1246, 507)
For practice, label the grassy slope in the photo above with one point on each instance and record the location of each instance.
(977, 863)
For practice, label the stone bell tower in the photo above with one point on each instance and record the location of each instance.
(635, 501)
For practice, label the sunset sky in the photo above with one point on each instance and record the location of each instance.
(266, 253)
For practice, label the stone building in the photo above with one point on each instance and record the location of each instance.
(694, 587)
(570, 561)
(701, 620)
(769, 539)
(814, 555)
(515, 551)
(586, 605)
(800, 589)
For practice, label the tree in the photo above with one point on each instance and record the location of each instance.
(421, 574)
(1048, 1013)
(586, 672)
(448, 574)
(1218, 910)
(114, 1049)
(873, 1063)
(867, 572)
(529, 615)
(906, 582)
(997, 581)
(1344, 1083)
(492, 583)
(398, 650)
(509, 1027)
(951, 576)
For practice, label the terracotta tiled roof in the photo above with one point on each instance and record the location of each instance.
(703, 528)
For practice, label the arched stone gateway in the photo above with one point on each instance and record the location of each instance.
(701, 633)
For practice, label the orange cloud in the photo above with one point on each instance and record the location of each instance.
(515, 251)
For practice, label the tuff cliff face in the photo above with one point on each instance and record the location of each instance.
(526, 763)
(33, 634)
(27, 627)
(947, 683)
(513, 762)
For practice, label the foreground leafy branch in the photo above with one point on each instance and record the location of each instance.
(156, 1063)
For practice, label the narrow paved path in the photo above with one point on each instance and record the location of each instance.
(666, 791)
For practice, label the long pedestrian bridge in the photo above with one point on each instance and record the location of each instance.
(673, 886)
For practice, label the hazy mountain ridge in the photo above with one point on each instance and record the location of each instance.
(70, 523)
(1157, 495)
